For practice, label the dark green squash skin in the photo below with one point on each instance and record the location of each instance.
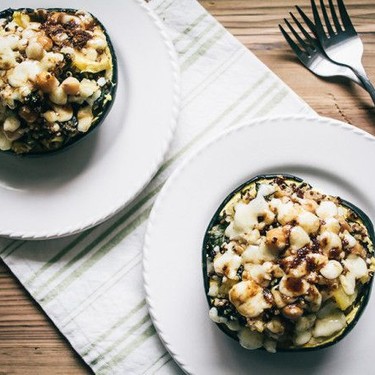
(112, 90)
(363, 295)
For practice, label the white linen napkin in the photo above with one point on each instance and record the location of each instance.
(90, 284)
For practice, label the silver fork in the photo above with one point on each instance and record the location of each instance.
(340, 40)
(311, 54)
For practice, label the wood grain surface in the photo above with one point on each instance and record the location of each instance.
(29, 342)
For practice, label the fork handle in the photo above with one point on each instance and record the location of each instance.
(367, 85)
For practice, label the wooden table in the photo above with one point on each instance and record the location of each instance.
(29, 342)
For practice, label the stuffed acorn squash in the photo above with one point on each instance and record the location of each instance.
(287, 267)
(58, 78)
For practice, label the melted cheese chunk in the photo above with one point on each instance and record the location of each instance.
(298, 238)
(351, 241)
(286, 212)
(258, 254)
(24, 72)
(247, 297)
(348, 283)
(246, 215)
(329, 241)
(326, 209)
(275, 203)
(214, 288)
(214, 316)
(227, 264)
(7, 55)
(332, 270)
(51, 60)
(309, 222)
(356, 265)
(314, 298)
(331, 225)
(232, 233)
(265, 190)
(260, 273)
(253, 237)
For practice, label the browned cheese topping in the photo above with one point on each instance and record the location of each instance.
(287, 265)
(55, 77)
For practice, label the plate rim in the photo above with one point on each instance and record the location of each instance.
(157, 162)
(194, 154)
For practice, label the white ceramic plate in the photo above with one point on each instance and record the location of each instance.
(330, 155)
(68, 192)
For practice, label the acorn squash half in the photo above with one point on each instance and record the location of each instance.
(290, 271)
(58, 78)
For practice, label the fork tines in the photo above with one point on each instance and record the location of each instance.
(303, 48)
(345, 24)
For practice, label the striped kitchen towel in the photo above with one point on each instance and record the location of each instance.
(90, 284)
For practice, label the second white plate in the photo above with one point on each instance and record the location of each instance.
(328, 154)
(65, 193)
